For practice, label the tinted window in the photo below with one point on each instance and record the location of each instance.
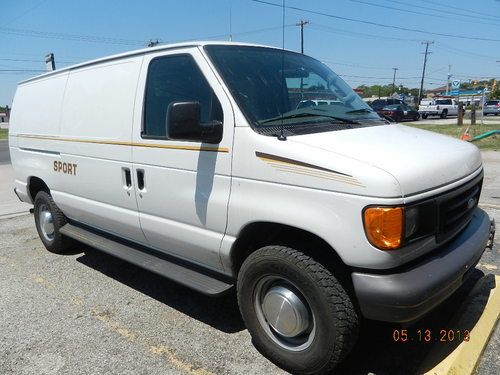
(176, 79)
(444, 101)
(392, 107)
(492, 102)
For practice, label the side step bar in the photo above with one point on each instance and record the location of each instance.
(181, 273)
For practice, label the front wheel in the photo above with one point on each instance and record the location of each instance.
(444, 113)
(424, 116)
(298, 314)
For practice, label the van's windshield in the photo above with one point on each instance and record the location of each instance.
(274, 87)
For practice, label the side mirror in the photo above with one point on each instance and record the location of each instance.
(183, 123)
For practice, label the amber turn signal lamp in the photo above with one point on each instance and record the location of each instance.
(384, 226)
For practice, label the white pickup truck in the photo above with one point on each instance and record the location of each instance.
(439, 107)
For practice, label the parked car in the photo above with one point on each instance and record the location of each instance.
(491, 107)
(439, 107)
(399, 112)
(378, 104)
(190, 161)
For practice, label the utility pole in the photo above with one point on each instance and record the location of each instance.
(394, 79)
(448, 80)
(302, 23)
(50, 62)
(421, 92)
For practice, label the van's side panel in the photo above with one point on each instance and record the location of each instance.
(82, 157)
(183, 209)
(97, 120)
(36, 110)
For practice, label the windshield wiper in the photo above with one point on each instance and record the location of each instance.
(309, 114)
(361, 110)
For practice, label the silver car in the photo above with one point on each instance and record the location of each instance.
(491, 107)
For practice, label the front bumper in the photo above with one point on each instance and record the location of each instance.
(412, 292)
(429, 113)
(491, 111)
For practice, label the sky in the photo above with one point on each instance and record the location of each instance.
(361, 40)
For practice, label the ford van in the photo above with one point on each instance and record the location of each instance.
(196, 162)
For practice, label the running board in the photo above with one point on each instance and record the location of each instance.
(183, 274)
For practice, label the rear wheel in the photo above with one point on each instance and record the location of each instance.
(424, 116)
(49, 220)
(298, 314)
(444, 113)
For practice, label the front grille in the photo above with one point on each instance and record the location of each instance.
(456, 207)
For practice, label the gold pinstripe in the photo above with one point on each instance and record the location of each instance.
(129, 144)
(307, 173)
(284, 166)
(319, 173)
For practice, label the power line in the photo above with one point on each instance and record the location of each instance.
(25, 12)
(22, 70)
(37, 61)
(356, 34)
(73, 37)
(455, 7)
(389, 78)
(376, 23)
(448, 11)
(115, 41)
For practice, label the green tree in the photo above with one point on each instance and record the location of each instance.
(495, 94)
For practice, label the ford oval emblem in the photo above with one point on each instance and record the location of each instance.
(470, 203)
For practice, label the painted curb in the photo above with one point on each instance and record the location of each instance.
(481, 306)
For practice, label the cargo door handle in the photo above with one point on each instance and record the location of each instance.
(127, 178)
(140, 179)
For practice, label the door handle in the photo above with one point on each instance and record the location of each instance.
(127, 178)
(140, 179)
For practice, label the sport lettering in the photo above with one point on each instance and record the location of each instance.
(66, 168)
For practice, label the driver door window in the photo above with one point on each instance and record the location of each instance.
(176, 79)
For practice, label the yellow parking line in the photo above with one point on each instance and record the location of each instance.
(465, 357)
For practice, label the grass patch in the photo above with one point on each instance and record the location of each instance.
(490, 143)
(4, 133)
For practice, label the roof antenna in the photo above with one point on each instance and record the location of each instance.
(282, 137)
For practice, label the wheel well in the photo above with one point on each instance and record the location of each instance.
(257, 235)
(35, 185)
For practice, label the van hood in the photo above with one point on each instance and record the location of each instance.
(419, 160)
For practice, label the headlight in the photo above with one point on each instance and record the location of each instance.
(389, 228)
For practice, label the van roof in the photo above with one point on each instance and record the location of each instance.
(141, 51)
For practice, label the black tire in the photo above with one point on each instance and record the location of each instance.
(57, 243)
(417, 117)
(444, 113)
(424, 116)
(336, 322)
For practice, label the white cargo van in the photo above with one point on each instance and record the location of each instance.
(193, 161)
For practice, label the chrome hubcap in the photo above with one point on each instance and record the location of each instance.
(46, 223)
(284, 313)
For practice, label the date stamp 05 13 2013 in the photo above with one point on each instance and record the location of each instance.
(428, 335)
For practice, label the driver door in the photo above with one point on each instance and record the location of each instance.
(183, 186)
